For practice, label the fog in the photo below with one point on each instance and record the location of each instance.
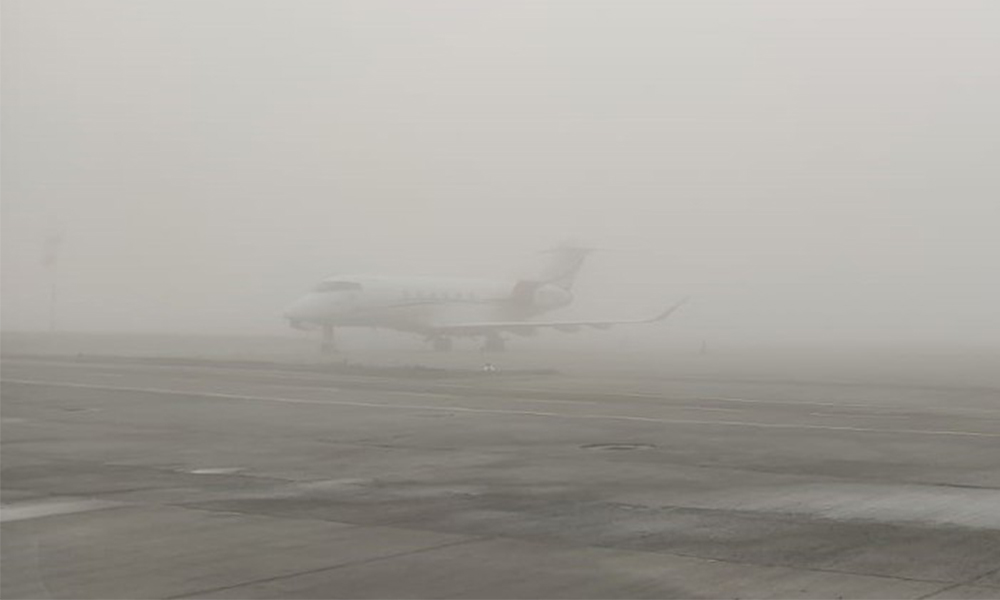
(808, 172)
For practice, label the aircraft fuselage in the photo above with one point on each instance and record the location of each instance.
(420, 304)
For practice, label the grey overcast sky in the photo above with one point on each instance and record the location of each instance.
(809, 171)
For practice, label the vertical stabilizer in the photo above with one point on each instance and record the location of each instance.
(561, 264)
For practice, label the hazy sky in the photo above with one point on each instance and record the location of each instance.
(815, 171)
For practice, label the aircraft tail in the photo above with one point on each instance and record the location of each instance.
(560, 265)
(559, 268)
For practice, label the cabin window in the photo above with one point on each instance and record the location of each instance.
(338, 286)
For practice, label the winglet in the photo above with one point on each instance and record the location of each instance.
(669, 311)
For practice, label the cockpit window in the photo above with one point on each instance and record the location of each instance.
(337, 286)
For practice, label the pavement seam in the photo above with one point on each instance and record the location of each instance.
(261, 515)
(971, 582)
(945, 588)
(402, 524)
(716, 559)
(949, 585)
(396, 525)
(199, 593)
(936, 592)
(796, 568)
(975, 580)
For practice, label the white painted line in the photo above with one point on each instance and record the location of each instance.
(497, 411)
(47, 508)
(217, 471)
(709, 408)
(457, 387)
(850, 405)
(458, 396)
(855, 415)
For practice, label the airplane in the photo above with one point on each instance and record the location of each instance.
(441, 309)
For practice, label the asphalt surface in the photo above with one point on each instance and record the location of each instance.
(126, 479)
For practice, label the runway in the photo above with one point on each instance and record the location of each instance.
(214, 479)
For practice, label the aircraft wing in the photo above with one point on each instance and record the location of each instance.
(529, 327)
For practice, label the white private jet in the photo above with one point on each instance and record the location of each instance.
(441, 308)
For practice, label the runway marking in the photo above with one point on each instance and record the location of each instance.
(859, 415)
(217, 471)
(845, 404)
(497, 411)
(457, 388)
(48, 508)
(458, 396)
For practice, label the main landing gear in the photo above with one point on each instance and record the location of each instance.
(441, 344)
(328, 343)
(494, 343)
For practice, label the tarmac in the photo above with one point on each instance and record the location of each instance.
(172, 477)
